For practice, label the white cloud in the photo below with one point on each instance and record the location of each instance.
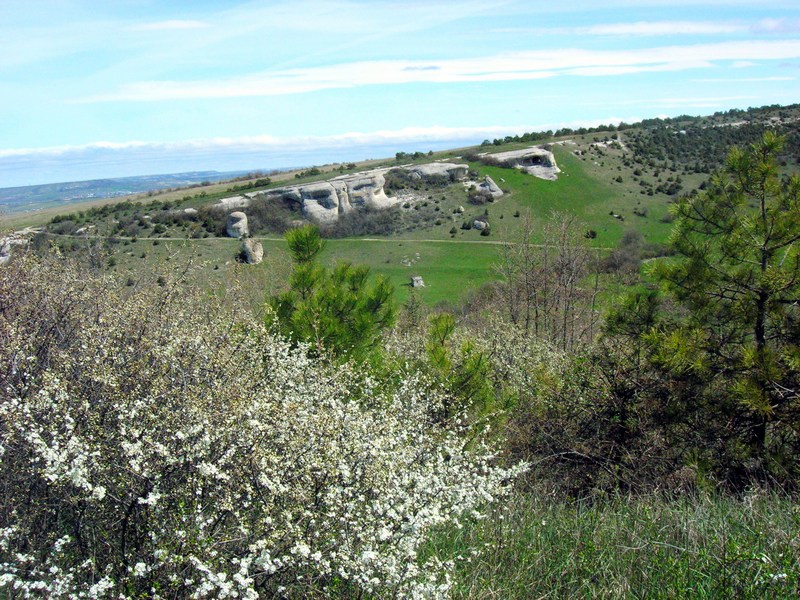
(259, 143)
(654, 28)
(666, 28)
(266, 142)
(638, 28)
(500, 67)
(702, 102)
(742, 79)
(170, 25)
(777, 26)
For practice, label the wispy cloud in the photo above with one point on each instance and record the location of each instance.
(638, 28)
(26, 166)
(502, 67)
(742, 79)
(170, 25)
(778, 26)
(701, 102)
(260, 143)
(666, 28)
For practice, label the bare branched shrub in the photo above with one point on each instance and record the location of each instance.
(152, 445)
(549, 289)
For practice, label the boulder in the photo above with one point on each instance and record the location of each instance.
(416, 282)
(237, 225)
(5, 250)
(490, 187)
(252, 251)
(480, 225)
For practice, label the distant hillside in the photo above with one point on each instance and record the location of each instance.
(36, 197)
(617, 184)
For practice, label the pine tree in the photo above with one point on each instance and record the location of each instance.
(738, 274)
(334, 309)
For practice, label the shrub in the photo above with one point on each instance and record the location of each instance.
(156, 446)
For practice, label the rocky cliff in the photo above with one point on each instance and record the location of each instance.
(324, 201)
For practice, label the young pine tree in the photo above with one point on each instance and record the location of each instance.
(739, 277)
(337, 309)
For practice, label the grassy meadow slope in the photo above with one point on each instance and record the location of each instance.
(614, 181)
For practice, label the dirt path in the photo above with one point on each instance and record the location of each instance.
(331, 240)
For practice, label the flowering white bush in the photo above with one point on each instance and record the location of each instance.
(152, 445)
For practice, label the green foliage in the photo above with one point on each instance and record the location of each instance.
(336, 309)
(463, 368)
(739, 277)
(651, 547)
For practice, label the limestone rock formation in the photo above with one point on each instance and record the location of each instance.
(237, 225)
(18, 238)
(453, 171)
(490, 187)
(535, 161)
(252, 251)
(233, 202)
(325, 201)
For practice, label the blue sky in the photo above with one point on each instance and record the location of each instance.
(93, 88)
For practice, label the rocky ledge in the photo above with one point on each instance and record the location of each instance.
(324, 201)
(536, 161)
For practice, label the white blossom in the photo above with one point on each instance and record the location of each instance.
(214, 457)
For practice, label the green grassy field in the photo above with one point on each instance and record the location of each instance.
(449, 268)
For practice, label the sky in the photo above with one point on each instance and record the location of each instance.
(105, 88)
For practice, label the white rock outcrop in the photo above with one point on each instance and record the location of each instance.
(452, 171)
(17, 238)
(252, 251)
(536, 161)
(490, 187)
(233, 202)
(5, 250)
(325, 201)
(236, 226)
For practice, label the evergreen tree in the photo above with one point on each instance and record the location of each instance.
(336, 309)
(739, 277)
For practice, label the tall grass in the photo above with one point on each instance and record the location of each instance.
(711, 547)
